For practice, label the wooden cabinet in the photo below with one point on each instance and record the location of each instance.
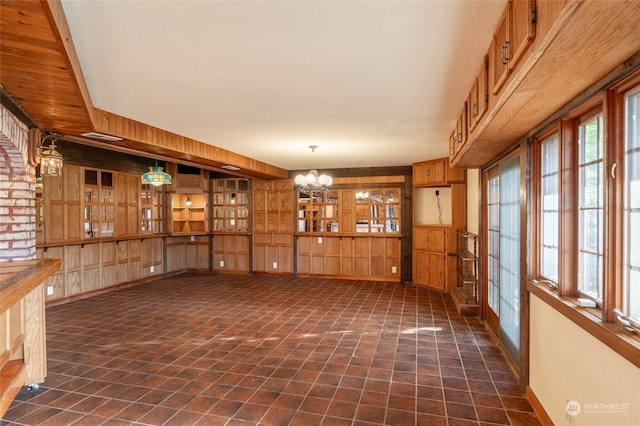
(99, 204)
(188, 214)
(231, 210)
(478, 101)
(319, 212)
(514, 34)
(273, 217)
(522, 29)
(230, 205)
(377, 210)
(429, 172)
(499, 53)
(128, 199)
(429, 256)
(87, 203)
(436, 173)
(151, 209)
(462, 128)
(62, 197)
(433, 239)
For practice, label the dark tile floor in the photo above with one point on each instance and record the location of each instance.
(224, 349)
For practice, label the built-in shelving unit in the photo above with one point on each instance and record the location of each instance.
(230, 205)
(188, 213)
(319, 212)
(465, 294)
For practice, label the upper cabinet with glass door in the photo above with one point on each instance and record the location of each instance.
(319, 212)
(378, 210)
(231, 205)
(99, 204)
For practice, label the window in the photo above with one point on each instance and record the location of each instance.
(631, 268)
(590, 208)
(587, 208)
(549, 209)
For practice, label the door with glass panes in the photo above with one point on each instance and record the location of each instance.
(502, 253)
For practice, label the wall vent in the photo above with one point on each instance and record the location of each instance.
(101, 136)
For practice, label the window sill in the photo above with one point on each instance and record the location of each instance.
(614, 336)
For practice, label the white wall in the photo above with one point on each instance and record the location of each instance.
(473, 201)
(569, 364)
(426, 206)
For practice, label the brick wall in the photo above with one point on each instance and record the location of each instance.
(17, 191)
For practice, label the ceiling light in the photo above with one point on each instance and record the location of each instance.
(156, 177)
(230, 167)
(50, 160)
(312, 182)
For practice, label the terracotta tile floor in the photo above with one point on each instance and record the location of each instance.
(224, 349)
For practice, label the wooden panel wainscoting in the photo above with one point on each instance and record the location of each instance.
(361, 257)
(197, 248)
(89, 267)
(231, 253)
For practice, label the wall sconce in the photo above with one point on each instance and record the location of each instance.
(188, 202)
(156, 177)
(51, 161)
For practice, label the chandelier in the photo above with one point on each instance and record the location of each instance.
(156, 177)
(312, 182)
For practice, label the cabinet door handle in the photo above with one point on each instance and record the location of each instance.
(614, 166)
(503, 53)
(474, 110)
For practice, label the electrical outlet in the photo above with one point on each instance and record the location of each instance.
(193, 238)
(319, 240)
(275, 265)
(50, 290)
(151, 269)
(222, 263)
(437, 192)
(394, 270)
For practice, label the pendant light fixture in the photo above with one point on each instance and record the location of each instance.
(312, 182)
(156, 177)
(51, 161)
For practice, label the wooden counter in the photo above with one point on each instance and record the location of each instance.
(23, 358)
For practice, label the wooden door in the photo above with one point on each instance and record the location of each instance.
(436, 271)
(499, 52)
(522, 29)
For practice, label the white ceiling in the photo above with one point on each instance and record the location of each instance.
(372, 83)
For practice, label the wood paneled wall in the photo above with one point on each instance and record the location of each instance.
(273, 207)
(94, 266)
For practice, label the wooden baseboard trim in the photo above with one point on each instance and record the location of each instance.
(538, 408)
